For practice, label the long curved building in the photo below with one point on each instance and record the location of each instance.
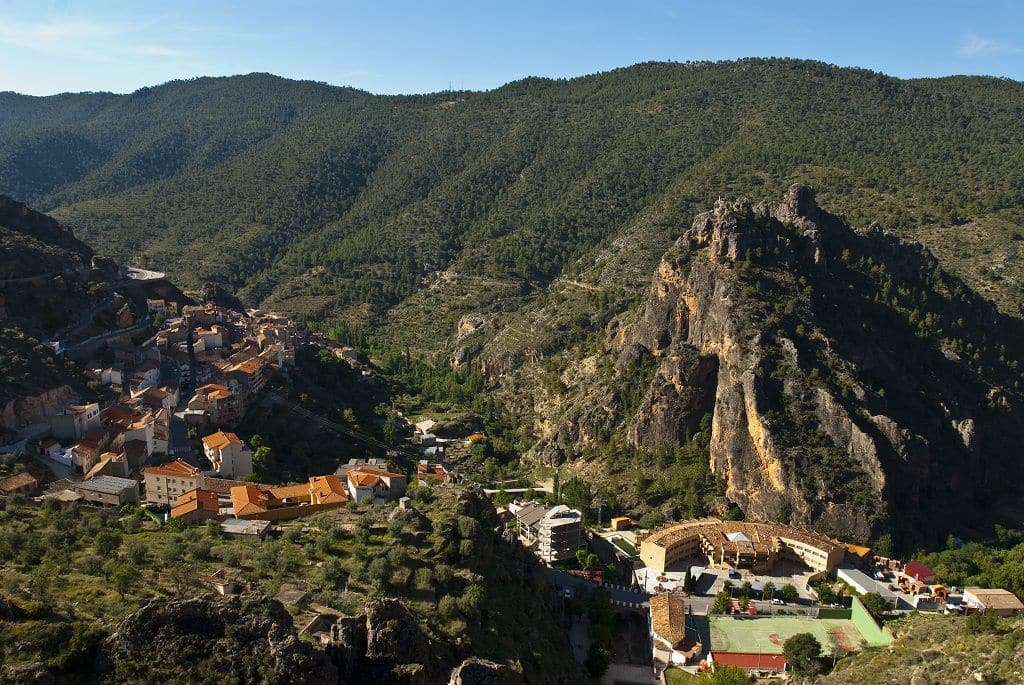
(740, 544)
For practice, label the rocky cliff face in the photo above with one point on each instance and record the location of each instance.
(35, 408)
(249, 639)
(852, 385)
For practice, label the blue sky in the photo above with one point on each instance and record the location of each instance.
(50, 46)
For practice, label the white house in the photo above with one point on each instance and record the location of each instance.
(365, 483)
(228, 455)
(75, 421)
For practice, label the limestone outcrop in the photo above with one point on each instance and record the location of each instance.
(848, 380)
(250, 637)
(35, 408)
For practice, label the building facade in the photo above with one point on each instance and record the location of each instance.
(741, 545)
(556, 531)
(165, 483)
(108, 490)
(228, 455)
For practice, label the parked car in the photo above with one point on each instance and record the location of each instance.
(734, 574)
(776, 600)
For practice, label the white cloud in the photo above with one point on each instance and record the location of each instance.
(81, 38)
(980, 46)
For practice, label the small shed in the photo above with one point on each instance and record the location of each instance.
(621, 523)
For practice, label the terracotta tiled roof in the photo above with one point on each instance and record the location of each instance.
(18, 481)
(300, 491)
(997, 598)
(249, 366)
(213, 390)
(432, 471)
(361, 479)
(176, 468)
(377, 472)
(195, 500)
(220, 440)
(223, 486)
(327, 489)
(668, 617)
(751, 534)
(248, 500)
(117, 413)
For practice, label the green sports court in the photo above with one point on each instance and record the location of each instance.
(767, 634)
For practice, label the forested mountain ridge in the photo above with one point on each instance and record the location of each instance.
(508, 228)
(339, 204)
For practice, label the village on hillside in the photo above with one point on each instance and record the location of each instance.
(164, 437)
(692, 594)
(684, 597)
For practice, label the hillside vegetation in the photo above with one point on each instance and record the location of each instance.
(338, 204)
(69, 578)
(939, 650)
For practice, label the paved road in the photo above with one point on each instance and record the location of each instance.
(83, 319)
(560, 579)
(579, 638)
(108, 334)
(59, 470)
(625, 674)
(180, 443)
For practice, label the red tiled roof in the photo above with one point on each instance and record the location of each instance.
(917, 570)
(750, 660)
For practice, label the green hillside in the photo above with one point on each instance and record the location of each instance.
(339, 204)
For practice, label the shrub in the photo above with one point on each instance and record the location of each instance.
(106, 542)
(136, 552)
(448, 606)
(801, 650)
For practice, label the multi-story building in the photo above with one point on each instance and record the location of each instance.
(85, 454)
(228, 455)
(741, 544)
(219, 405)
(556, 530)
(196, 506)
(165, 483)
(75, 421)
